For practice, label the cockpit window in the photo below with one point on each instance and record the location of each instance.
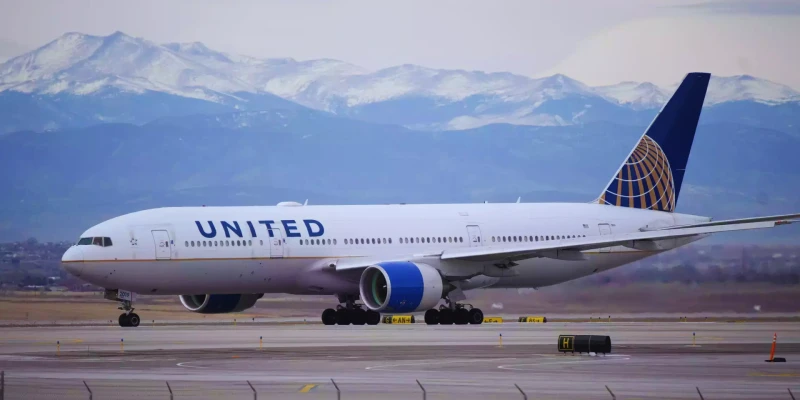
(96, 241)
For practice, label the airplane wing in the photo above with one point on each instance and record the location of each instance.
(570, 249)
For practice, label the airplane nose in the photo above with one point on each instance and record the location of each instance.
(72, 260)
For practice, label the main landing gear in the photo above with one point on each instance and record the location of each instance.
(350, 313)
(454, 313)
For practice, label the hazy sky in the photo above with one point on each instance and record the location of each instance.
(597, 42)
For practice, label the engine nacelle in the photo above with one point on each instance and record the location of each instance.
(218, 303)
(401, 287)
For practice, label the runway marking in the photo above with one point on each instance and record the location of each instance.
(307, 388)
(375, 367)
(512, 367)
(183, 364)
(784, 375)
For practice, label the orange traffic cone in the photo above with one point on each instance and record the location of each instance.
(772, 351)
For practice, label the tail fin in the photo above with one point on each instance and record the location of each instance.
(651, 176)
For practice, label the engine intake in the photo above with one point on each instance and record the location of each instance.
(401, 287)
(218, 303)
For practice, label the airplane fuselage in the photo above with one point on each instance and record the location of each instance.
(292, 249)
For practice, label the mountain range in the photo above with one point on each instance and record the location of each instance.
(93, 127)
(79, 80)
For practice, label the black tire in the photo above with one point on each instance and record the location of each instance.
(461, 316)
(342, 316)
(133, 320)
(446, 317)
(329, 316)
(358, 316)
(123, 320)
(475, 316)
(373, 317)
(432, 317)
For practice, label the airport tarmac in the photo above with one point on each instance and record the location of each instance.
(649, 361)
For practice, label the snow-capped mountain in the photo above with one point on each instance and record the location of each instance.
(81, 68)
(637, 95)
(724, 89)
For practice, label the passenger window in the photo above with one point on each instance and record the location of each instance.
(192, 243)
(249, 242)
(186, 244)
(536, 237)
(334, 241)
(390, 241)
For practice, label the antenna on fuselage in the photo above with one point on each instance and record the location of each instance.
(518, 199)
(305, 203)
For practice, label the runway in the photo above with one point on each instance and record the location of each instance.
(649, 361)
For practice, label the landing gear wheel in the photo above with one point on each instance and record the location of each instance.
(461, 316)
(446, 316)
(123, 320)
(372, 317)
(475, 316)
(432, 317)
(342, 316)
(358, 316)
(133, 320)
(329, 317)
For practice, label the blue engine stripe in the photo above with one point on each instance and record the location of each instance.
(407, 285)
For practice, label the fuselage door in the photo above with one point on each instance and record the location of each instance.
(276, 244)
(474, 235)
(605, 229)
(163, 246)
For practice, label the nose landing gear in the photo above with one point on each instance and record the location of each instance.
(128, 318)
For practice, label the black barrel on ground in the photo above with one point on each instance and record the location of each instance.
(584, 344)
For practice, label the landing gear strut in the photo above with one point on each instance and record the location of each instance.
(350, 313)
(454, 313)
(128, 318)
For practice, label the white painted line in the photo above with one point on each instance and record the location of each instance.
(513, 367)
(183, 364)
(378, 367)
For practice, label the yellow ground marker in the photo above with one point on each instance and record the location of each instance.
(307, 388)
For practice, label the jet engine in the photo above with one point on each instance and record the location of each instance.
(218, 303)
(401, 287)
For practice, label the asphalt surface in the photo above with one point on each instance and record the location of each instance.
(648, 361)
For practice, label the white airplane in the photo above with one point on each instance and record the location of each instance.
(405, 258)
